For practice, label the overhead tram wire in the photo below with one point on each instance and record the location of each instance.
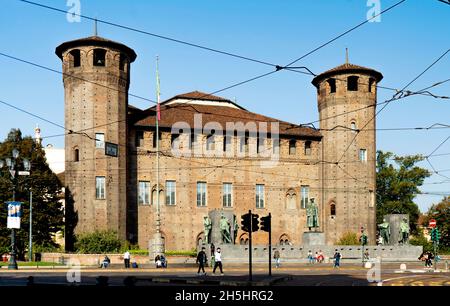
(277, 67)
(397, 96)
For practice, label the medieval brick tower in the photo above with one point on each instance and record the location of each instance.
(96, 81)
(346, 98)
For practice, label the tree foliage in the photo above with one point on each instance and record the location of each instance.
(441, 213)
(98, 242)
(398, 182)
(47, 208)
(349, 238)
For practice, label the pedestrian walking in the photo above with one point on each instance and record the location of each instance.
(218, 261)
(201, 261)
(276, 256)
(337, 259)
(310, 257)
(126, 259)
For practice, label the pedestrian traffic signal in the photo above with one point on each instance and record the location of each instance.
(266, 223)
(255, 222)
(246, 222)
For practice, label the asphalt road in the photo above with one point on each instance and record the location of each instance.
(390, 274)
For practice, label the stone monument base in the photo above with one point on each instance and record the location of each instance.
(156, 246)
(313, 238)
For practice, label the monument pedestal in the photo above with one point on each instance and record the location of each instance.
(156, 245)
(313, 238)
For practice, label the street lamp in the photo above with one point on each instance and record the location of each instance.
(12, 163)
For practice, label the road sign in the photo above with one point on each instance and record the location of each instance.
(432, 223)
(111, 149)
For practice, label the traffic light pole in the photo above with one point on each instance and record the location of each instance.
(250, 247)
(270, 245)
(435, 253)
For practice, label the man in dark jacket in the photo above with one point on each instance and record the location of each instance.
(201, 260)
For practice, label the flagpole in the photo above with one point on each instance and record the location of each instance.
(158, 244)
(158, 214)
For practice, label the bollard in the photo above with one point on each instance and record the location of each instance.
(446, 265)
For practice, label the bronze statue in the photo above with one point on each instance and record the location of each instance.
(404, 231)
(207, 225)
(225, 229)
(312, 214)
(385, 232)
(235, 229)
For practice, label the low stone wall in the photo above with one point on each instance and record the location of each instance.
(234, 253)
(95, 259)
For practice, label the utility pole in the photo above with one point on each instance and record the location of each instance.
(30, 244)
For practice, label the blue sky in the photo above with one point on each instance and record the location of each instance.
(405, 41)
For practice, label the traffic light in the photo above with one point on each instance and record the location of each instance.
(245, 222)
(435, 235)
(266, 223)
(255, 222)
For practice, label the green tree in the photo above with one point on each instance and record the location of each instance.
(349, 238)
(441, 213)
(47, 208)
(398, 182)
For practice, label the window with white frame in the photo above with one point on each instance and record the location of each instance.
(363, 155)
(201, 194)
(305, 196)
(259, 196)
(227, 194)
(170, 192)
(144, 193)
(100, 140)
(100, 187)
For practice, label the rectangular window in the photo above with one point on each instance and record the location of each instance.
(139, 141)
(210, 143)
(244, 144)
(99, 140)
(193, 141)
(292, 147)
(305, 196)
(227, 143)
(100, 187)
(363, 155)
(259, 196)
(201, 194)
(170, 192)
(144, 193)
(227, 194)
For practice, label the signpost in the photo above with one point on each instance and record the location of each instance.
(432, 223)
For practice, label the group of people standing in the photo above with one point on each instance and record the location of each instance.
(316, 258)
(216, 259)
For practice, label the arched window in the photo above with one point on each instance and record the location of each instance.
(76, 155)
(210, 142)
(353, 126)
(371, 84)
(308, 147)
(292, 147)
(284, 240)
(332, 84)
(99, 57)
(352, 83)
(291, 199)
(333, 209)
(76, 58)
